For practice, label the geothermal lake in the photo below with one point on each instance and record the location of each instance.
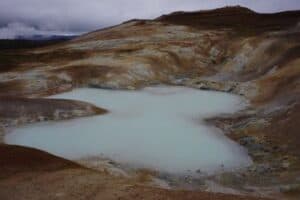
(161, 128)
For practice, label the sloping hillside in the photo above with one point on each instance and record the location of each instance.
(231, 49)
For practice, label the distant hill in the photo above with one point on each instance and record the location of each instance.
(231, 49)
(240, 19)
(32, 42)
(40, 37)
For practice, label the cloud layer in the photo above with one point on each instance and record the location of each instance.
(82, 16)
(17, 29)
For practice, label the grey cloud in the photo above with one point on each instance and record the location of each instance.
(17, 29)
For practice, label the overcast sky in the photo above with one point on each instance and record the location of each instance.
(27, 17)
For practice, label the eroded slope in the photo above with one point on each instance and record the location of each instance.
(231, 49)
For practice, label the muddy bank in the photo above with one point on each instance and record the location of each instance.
(206, 50)
(32, 174)
(16, 160)
(17, 111)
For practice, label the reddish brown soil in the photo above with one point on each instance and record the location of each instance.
(27, 173)
(17, 159)
(224, 34)
(285, 130)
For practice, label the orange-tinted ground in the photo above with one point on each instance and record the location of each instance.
(230, 49)
(31, 174)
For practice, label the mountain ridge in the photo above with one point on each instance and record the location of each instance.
(256, 56)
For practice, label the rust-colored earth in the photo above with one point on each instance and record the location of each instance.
(231, 49)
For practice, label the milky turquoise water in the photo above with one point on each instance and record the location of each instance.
(160, 128)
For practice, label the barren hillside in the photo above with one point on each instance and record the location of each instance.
(231, 49)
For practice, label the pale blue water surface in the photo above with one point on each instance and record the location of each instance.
(160, 128)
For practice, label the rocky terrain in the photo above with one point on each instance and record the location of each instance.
(231, 49)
